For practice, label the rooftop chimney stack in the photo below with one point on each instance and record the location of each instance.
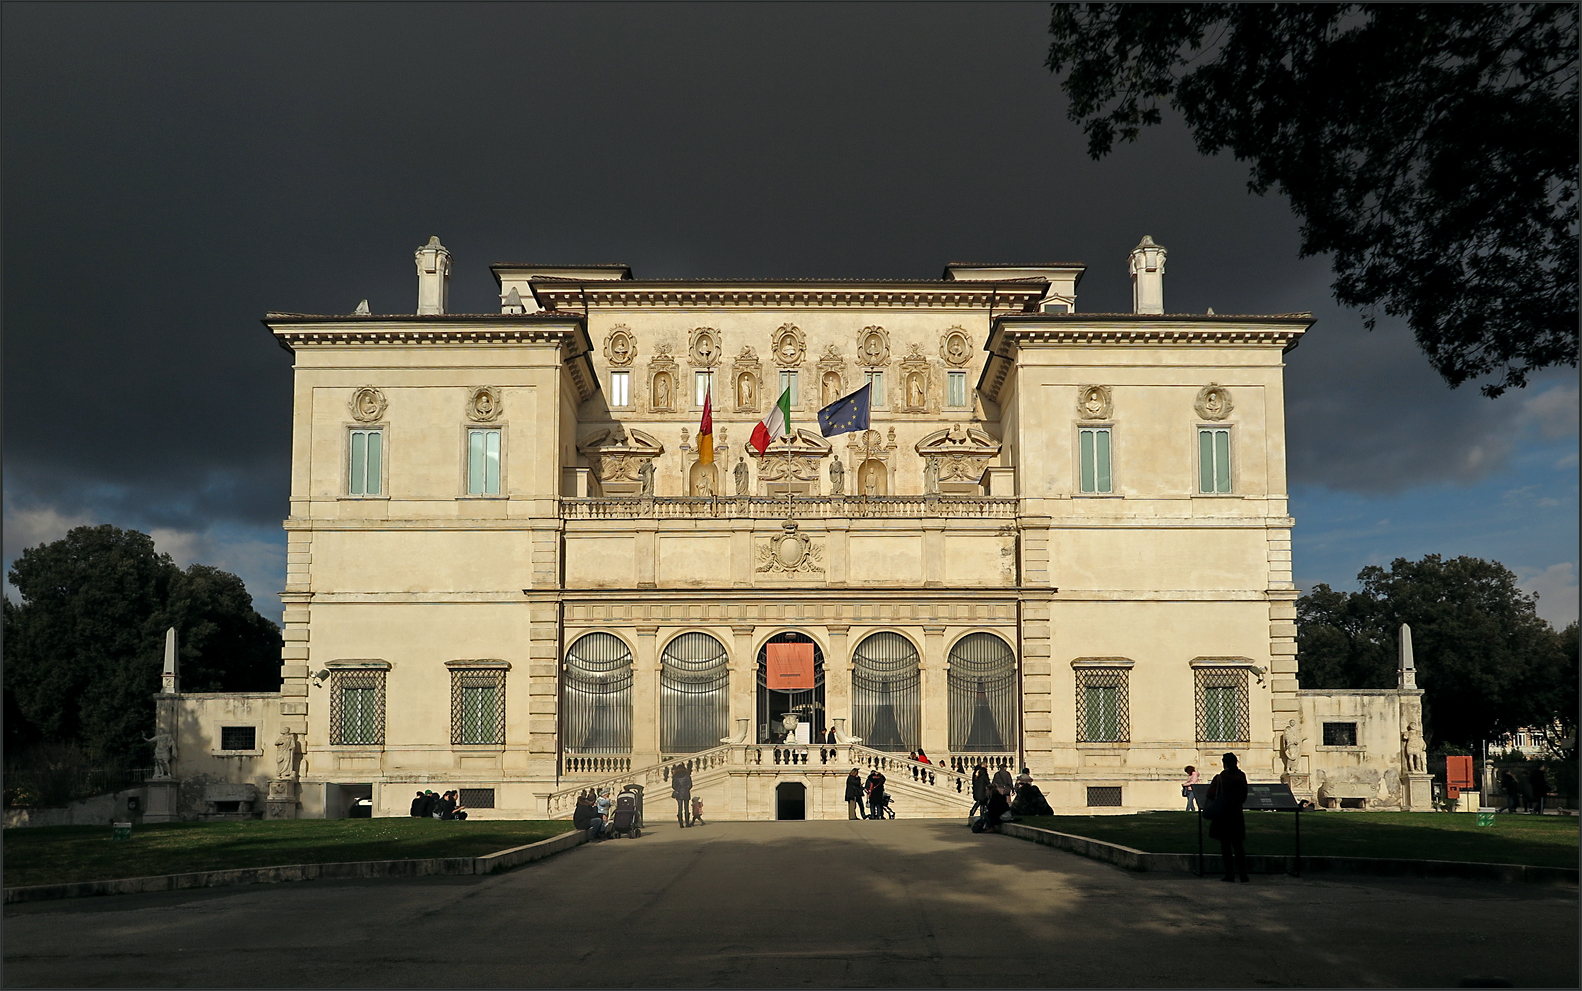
(433, 277)
(1147, 266)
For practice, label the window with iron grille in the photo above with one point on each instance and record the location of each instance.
(1222, 707)
(886, 693)
(1340, 734)
(694, 694)
(1104, 797)
(596, 701)
(477, 705)
(477, 798)
(982, 685)
(1103, 712)
(238, 737)
(357, 707)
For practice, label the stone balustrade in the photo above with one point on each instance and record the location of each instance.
(787, 507)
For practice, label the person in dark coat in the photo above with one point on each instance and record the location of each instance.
(445, 808)
(994, 812)
(854, 794)
(681, 791)
(417, 806)
(426, 810)
(1540, 788)
(980, 788)
(587, 817)
(1030, 801)
(1226, 795)
(1512, 790)
(875, 789)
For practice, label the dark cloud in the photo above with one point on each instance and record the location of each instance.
(174, 171)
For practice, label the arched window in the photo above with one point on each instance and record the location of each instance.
(597, 703)
(694, 694)
(775, 701)
(886, 693)
(982, 684)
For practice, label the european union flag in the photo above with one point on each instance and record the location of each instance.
(846, 414)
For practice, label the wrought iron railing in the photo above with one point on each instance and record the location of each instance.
(786, 507)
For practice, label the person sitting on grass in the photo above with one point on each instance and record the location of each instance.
(587, 817)
(417, 806)
(1030, 801)
(459, 811)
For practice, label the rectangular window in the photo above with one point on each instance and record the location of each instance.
(788, 380)
(1104, 797)
(1102, 705)
(1222, 715)
(621, 388)
(876, 379)
(483, 462)
(357, 708)
(477, 706)
(1095, 446)
(366, 476)
(1340, 734)
(477, 798)
(1213, 460)
(238, 737)
(957, 388)
(704, 383)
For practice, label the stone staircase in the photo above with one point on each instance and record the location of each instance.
(740, 781)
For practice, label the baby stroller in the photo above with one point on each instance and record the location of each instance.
(636, 791)
(625, 818)
(883, 809)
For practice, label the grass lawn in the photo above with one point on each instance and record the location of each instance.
(54, 854)
(1544, 841)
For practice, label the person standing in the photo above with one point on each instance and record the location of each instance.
(1226, 794)
(1540, 788)
(876, 795)
(1002, 779)
(681, 791)
(854, 794)
(980, 788)
(1512, 790)
(1192, 778)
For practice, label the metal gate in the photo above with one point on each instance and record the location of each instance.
(694, 694)
(598, 696)
(808, 705)
(886, 693)
(982, 681)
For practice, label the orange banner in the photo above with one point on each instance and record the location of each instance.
(790, 666)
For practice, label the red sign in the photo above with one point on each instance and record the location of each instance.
(1458, 775)
(790, 666)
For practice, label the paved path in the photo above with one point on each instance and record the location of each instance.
(904, 903)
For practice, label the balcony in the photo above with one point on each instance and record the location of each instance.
(787, 507)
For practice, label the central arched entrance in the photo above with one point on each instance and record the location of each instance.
(781, 694)
(790, 800)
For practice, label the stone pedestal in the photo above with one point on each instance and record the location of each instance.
(282, 801)
(1418, 792)
(164, 801)
(1301, 785)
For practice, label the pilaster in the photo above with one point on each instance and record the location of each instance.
(1036, 678)
(837, 675)
(936, 694)
(645, 698)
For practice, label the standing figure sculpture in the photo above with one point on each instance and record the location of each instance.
(740, 471)
(931, 477)
(1416, 746)
(286, 756)
(1291, 747)
(837, 478)
(164, 753)
(646, 475)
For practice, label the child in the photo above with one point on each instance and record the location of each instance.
(697, 811)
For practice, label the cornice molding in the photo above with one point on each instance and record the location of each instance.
(1009, 296)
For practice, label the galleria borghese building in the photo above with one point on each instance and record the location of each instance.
(1061, 542)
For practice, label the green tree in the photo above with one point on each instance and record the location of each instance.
(1487, 663)
(84, 648)
(1431, 149)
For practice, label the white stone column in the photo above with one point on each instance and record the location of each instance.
(936, 694)
(744, 680)
(645, 698)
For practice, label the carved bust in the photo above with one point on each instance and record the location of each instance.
(484, 405)
(1093, 402)
(1213, 402)
(368, 404)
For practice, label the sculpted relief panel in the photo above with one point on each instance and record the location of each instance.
(791, 553)
(620, 347)
(484, 405)
(1213, 402)
(368, 405)
(1093, 402)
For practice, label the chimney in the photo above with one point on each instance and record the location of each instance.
(433, 277)
(1147, 264)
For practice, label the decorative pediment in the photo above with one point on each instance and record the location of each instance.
(794, 459)
(954, 459)
(618, 455)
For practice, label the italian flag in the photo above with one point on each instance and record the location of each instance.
(776, 424)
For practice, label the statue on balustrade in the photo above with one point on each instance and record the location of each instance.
(646, 475)
(837, 478)
(740, 471)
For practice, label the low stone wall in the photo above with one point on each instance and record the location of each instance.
(490, 863)
(1138, 860)
(97, 810)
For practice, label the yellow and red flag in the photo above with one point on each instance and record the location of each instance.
(706, 432)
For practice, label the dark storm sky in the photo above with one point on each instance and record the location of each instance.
(173, 171)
